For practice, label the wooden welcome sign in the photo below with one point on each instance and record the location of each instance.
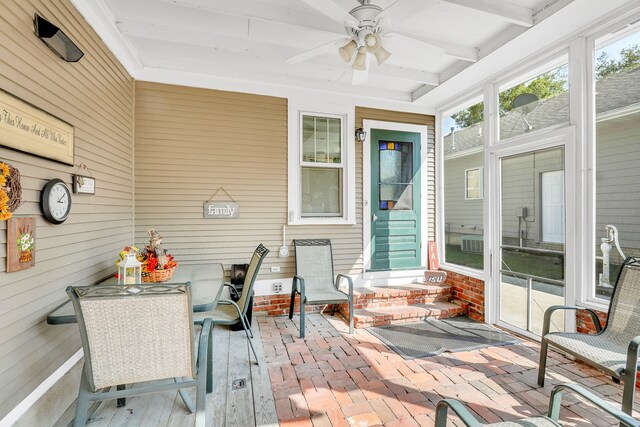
(27, 128)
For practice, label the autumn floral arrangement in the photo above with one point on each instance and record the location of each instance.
(10, 190)
(157, 264)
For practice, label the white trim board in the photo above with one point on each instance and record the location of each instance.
(366, 184)
(21, 408)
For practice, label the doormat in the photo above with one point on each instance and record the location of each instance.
(432, 337)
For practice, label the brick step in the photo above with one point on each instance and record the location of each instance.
(364, 318)
(400, 295)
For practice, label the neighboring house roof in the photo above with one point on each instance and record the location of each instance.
(614, 93)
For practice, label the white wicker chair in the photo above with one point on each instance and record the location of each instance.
(315, 280)
(139, 334)
(613, 349)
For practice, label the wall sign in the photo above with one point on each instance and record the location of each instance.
(27, 128)
(221, 210)
(21, 238)
(84, 184)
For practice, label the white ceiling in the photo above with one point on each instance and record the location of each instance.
(251, 40)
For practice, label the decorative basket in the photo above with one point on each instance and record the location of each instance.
(157, 275)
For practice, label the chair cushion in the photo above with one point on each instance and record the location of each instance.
(526, 422)
(222, 314)
(327, 294)
(604, 350)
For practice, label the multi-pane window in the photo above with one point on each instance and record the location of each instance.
(473, 183)
(321, 164)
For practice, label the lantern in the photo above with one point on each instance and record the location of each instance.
(129, 270)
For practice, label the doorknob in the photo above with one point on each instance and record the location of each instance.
(374, 217)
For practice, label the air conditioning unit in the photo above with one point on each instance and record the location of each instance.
(472, 243)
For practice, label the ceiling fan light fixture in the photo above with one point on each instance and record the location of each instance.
(346, 52)
(373, 43)
(361, 59)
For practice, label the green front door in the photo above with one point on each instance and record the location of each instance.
(395, 200)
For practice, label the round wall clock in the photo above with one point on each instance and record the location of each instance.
(55, 201)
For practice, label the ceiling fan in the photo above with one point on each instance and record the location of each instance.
(365, 25)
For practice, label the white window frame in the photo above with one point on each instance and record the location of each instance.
(480, 169)
(453, 107)
(588, 297)
(346, 113)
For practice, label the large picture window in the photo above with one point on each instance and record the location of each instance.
(463, 187)
(617, 156)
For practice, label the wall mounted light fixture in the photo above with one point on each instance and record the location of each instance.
(361, 135)
(56, 39)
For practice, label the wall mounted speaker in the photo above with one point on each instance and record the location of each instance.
(56, 39)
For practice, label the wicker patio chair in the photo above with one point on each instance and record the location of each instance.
(551, 419)
(140, 335)
(228, 312)
(315, 280)
(613, 349)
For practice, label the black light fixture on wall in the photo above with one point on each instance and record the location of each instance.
(56, 39)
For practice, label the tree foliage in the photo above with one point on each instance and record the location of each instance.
(629, 60)
(551, 84)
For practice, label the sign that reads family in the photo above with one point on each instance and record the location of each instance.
(221, 210)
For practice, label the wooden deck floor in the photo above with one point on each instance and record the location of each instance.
(252, 405)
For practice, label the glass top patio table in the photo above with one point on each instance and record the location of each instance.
(207, 281)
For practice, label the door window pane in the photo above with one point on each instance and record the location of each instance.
(536, 103)
(321, 192)
(463, 204)
(532, 250)
(396, 175)
(617, 219)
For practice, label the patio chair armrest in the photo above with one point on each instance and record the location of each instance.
(349, 283)
(556, 396)
(460, 410)
(547, 316)
(301, 283)
(231, 302)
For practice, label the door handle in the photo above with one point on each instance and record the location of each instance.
(374, 217)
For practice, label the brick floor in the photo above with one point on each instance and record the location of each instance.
(333, 379)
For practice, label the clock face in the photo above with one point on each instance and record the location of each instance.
(56, 201)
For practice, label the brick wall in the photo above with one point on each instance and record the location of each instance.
(278, 305)
(468, 291)
(585, 325)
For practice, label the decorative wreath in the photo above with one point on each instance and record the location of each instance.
(10, 190)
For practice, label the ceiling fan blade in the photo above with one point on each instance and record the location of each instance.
(454, 50)
(403, 9)
(317, 51)
(330, 9)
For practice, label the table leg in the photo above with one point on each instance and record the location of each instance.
(210, 362)
(122, 401)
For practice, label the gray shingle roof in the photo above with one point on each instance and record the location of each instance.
(617, 91)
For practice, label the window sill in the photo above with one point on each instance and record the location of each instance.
(595, 305)
(322, 221)
(471, 272)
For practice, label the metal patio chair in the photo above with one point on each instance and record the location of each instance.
(228, 312)
(551, 419)
(613, 349)
(139, 334)
(315, 280)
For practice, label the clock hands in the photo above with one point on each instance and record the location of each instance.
(60, 200)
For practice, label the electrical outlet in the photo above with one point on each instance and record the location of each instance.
(277, 287)
(275, 269)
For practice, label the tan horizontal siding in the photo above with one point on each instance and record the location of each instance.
(95, 96)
